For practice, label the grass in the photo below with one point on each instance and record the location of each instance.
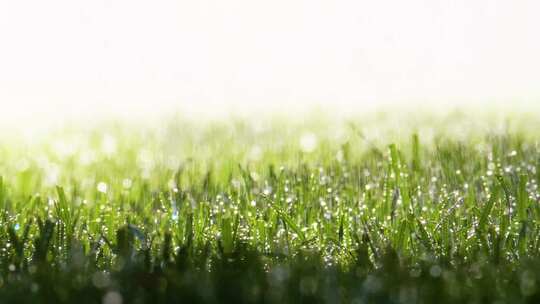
(442, 209)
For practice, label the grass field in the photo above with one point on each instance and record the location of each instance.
(379, 209)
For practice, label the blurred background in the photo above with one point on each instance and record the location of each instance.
(75, 59)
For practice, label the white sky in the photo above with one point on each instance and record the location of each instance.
(79, 56)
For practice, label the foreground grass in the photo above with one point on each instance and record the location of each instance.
(273, 212)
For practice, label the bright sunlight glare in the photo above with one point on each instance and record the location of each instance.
(73, 57)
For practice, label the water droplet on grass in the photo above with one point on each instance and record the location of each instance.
(102, 187)
(435, 271)
(127, 183)
(267, 190)
(112, 297)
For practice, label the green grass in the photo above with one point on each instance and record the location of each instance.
(380, 209)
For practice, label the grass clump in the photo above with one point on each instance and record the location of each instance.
(276, 212)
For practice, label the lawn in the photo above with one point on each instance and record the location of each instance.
(381, 208)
